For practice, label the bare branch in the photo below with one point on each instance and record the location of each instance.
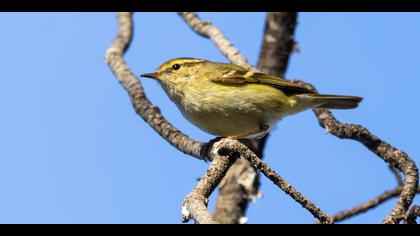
(143, 107)
(195, 203)
(244, 152)
(340, 216)
(206, 29)
(397, 175)
(395, 157)
(238, 187)
(412, 215)
(278, 42)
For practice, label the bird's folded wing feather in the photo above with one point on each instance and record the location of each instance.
(239, 77)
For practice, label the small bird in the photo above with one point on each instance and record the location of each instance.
(230, 101)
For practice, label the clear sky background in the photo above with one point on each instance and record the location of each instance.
(72, 149)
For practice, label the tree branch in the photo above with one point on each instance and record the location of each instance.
(395, 157)
(195, 203)
(237, 148)
(397, 175)
(224, 153)
(143, 107)
(238, 187)
(343, 215)
(278, 42)
(206, 29)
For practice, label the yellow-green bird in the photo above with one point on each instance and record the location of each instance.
(230, 101)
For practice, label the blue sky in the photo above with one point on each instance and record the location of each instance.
(73, 150)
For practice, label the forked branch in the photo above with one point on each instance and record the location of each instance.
(393, 156)
(195, 203)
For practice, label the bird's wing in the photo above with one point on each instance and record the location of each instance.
(238, 77)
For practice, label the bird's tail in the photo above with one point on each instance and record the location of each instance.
(334, 101)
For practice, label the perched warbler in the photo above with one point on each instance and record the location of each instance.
(231, 101)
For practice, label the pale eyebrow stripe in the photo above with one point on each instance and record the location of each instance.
(189, 63)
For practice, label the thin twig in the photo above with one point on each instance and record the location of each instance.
(343, 215)
(340, 216)
(397, 175)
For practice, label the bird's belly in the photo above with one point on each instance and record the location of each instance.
(221, 125)
(235, 112)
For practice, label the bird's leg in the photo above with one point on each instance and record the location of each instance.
(262, 128)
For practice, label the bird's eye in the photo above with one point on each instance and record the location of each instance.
(176, 66)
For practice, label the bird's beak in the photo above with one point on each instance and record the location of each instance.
(150, 75)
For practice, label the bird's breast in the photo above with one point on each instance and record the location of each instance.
(232, 110)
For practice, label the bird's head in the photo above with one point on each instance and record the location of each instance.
(177, 71)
